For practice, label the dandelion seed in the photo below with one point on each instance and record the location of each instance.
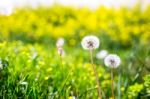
(60, 42)
(90, 42)
(102, 54)
(112, 61)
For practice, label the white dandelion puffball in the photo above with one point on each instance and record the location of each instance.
(60, 42)
(102, 54)
(90, 42)
(112, 60)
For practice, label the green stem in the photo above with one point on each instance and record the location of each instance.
(112, 83)
(96, 76)
(62, 66)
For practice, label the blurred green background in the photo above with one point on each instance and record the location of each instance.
(31, 68)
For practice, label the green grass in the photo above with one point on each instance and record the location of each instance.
(47, 77)
(30, 67)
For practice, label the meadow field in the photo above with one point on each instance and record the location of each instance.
(33, 67)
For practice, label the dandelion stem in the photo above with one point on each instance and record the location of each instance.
(96, 75)
(62, 67)
(112, 83)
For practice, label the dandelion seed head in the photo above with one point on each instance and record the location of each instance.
(112, 60)
(102, 54)
(90, 42)
(60, 42)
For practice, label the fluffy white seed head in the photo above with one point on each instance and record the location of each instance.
(60, 42)
(102, 54)
(90, 42)
(112, 61)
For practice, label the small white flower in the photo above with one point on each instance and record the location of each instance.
(23, 83)
(90, 42)
(60, 42)
(102, 54)
(112, 60)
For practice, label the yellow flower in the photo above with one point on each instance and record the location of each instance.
(3, 44)
(71, 97)
(49, 69)
(46, 78)
(41, 63)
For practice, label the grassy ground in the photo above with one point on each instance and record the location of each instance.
(37, 71)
